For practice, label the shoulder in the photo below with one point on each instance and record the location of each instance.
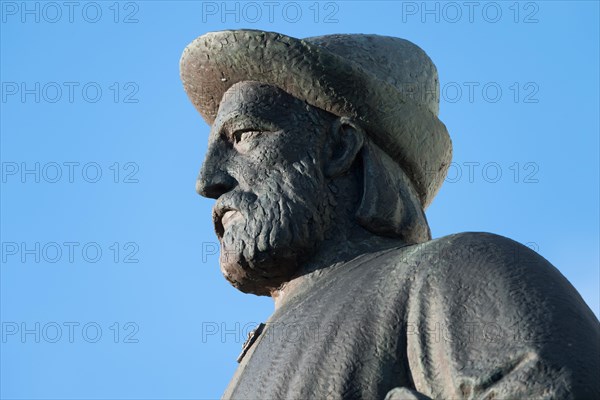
(474, 255)
(479, 269)
(485, 274)
(490, 297)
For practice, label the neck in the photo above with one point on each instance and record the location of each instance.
(334, 251)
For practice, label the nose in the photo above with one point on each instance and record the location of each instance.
(213, 180)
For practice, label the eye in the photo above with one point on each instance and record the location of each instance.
(244, 135)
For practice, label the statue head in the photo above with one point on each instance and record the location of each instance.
(300, 153)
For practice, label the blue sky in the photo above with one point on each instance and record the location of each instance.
(110, 286)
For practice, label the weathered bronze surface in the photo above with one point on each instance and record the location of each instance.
(322, 157)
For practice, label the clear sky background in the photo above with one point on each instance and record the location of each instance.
(110, 286)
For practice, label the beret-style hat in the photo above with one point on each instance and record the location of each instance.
(388, 85)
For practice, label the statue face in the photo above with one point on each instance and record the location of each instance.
(264, 167)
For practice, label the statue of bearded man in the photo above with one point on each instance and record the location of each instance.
(322, 157)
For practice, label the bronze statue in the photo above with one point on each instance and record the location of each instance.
(322, 157)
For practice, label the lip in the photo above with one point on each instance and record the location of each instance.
(223, 218)
(229, 217)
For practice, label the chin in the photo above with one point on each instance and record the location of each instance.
(266, 248)
(259, 273)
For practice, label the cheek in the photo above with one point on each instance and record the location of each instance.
(262, 163)
(266, 156)
(290, 147)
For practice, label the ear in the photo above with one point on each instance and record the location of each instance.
(345, 141)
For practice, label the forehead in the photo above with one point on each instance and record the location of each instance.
(259, 101)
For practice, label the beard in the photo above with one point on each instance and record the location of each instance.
(284, 219)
